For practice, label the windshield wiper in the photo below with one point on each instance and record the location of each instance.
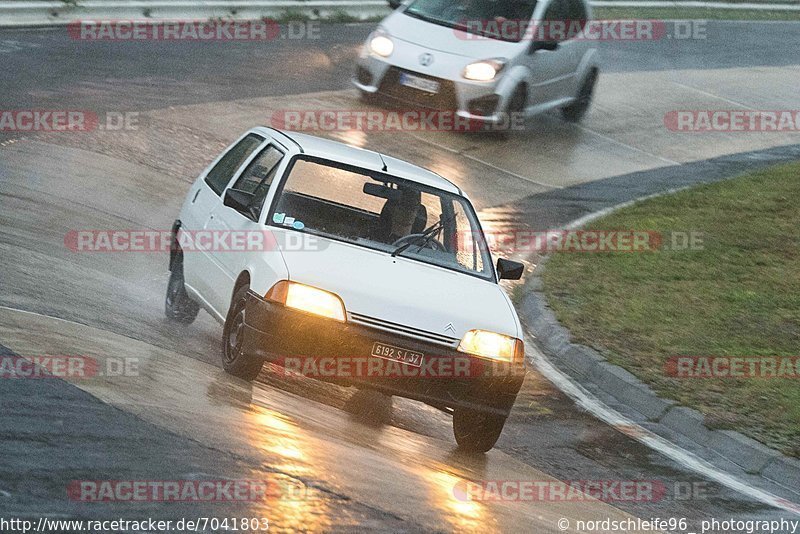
(432, 20)
(426, 236)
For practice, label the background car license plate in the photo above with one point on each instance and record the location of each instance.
(397, 354)
(417, 82)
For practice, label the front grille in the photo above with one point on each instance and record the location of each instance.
(444, 100)
(403, 330)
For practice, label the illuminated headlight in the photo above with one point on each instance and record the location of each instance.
(308, 299)
(381, 44)
(484, 71)
(492, 346)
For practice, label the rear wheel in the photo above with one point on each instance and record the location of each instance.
(234, 359)
(577, 110)
(178, 306)
(477, 431)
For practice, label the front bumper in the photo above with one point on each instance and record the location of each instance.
(472, 101)
(342, 353)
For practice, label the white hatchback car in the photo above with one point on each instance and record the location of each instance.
(369, 257)
(484, 60)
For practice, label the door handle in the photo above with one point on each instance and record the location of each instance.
(197, 194)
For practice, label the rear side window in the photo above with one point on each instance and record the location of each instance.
(219, 177)
(557, 12)
(577, 13)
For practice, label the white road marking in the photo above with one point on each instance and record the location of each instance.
(626, 145)
(482, 162)
(7, 46)
(712, 95)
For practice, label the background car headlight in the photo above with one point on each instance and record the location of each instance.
(381, 44)
(490, 345)
(484, 71)
(308, 299)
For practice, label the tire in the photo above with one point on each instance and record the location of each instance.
(577, 110)
(516, 104)
(234, 360)
(477, 431)
(178, 307)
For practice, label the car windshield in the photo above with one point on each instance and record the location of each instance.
(382, 212)
(489, 18)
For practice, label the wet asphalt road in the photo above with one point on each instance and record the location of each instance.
(52, 432)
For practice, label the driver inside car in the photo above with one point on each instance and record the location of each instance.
(402, 216)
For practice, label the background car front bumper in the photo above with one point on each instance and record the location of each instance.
(469, 100)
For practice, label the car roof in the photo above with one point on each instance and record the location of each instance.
(359, 157)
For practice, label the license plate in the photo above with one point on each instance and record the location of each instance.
(389, 352)
(417, 82)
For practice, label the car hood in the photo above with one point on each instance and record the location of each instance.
(400, 293)
(443, 39)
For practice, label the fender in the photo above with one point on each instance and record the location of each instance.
(517, 75)
(173, 244)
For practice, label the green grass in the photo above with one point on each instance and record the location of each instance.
(690, 13)
(738, 296)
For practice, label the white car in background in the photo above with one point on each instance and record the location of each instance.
(485, 60)
(396, 270)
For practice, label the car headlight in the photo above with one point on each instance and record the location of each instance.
(308, 299)
(484, 71)
(381, 44)
(492, 346)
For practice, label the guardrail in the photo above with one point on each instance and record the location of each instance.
(31, 13)
(42, 12)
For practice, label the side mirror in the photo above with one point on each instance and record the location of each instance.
(543, 45)
(241, 201)
(394, 4)
(509, 270)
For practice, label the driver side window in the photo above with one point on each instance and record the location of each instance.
(258, 176)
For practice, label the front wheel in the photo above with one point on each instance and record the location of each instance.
(477, 431)
(577, 110)
(234, 359)
(515, 120)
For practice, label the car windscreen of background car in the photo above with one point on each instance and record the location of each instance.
(476, 16)
(382, 213)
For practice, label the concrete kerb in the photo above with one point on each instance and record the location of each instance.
(618, 386)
